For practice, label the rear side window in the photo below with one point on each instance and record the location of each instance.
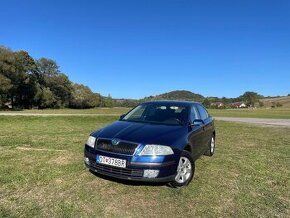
(194, 113)
(203, 113)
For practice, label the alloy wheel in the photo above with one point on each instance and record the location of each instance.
(184, 170)
(212, 145)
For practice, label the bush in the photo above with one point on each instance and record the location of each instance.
(83, 97)
(278, 104)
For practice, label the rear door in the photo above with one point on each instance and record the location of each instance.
(208, 125)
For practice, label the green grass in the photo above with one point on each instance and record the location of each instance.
(272, 113)
(42, 174)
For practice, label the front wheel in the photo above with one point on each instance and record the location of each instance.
(185, 170)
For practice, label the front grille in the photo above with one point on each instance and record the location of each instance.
(122, 147)
(119, 172)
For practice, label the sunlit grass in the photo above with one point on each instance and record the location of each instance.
(42, 174)
(272, 113)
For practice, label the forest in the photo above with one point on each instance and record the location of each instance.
(27, 83)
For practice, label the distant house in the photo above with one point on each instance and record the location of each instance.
(238, 105)
(218, 104)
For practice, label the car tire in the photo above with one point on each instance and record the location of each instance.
(211, 147)
(185, 170)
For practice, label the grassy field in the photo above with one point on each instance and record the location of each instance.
(276, 113)
(42, 174)
(273, 113)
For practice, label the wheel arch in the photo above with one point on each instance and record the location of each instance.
(188, 148)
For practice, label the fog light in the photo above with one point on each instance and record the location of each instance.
(151, 173)
(87, 161)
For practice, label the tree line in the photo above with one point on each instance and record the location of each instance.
(249, 98)
(26, 83)
(38, 83)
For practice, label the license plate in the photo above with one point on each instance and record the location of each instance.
(116, 162)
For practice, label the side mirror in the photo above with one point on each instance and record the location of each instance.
(122, 116)
(197, 122)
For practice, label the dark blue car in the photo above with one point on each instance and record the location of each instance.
(156, 141)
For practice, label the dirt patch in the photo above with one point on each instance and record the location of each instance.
(61, 160)
(37, 149)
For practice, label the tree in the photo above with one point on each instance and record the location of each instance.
(278, 104)
(206, 103)
(273, 105)
(50, 76)
(19, 68)
(6, 71)
(224, 100)
(109, 102)
(47, 67)
(5, 85)
(62, 88)
(26, 82)
(250, 98)
(27, 88)
(98, 99)
(261, 104)
(83, 97)
(44, 98)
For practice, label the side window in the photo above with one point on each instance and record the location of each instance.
(203, 113)
(194, 114)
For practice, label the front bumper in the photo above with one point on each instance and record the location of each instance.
(134, 170)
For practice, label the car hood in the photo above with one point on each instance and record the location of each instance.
(144, 133)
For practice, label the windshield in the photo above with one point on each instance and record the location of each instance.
(170, 114)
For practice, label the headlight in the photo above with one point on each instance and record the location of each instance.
(156, 150)
(91, 141)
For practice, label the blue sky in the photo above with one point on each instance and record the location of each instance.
(137, 48)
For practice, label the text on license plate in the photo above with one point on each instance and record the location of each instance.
(111, 161)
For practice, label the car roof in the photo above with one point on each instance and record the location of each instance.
(185, 103)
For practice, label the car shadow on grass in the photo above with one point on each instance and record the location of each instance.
(128, 182)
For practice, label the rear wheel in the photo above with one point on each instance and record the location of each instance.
(211, 147)
(185, 170)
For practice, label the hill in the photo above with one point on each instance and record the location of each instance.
(284, 100)
(177, 95)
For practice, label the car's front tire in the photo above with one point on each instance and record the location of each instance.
(185, 170)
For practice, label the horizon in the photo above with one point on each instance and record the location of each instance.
(134, 50)
(264, 96)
